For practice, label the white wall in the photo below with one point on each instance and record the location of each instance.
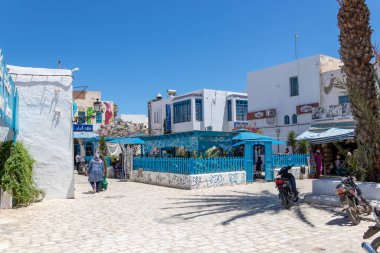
(270, 89)
(45, 132)
(135, 118)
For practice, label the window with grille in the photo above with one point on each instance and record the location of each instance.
(294, 119)
(241, 110)
(182, 111)
(286, 120)
(81, 117)
(198, 109)
(229, 110)
(294, 86)
(98, 117)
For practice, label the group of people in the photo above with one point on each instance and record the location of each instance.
(337, 168)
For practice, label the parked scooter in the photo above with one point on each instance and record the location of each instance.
(372, 230)
(351, 199)
(368, 248)
(286, 187)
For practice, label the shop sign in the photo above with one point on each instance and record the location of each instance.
(168, 120)
(240, 124)
(308, 108)
(83, 128)
(256, 115)
(333, 112)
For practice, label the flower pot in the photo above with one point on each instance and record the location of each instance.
(6, 200)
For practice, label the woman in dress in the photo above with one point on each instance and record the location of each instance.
(95, 172)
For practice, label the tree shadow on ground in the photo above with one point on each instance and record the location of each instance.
(342, 220)
(247, 204)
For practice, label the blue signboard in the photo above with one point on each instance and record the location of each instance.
(8, 98)
(238, 124)
(168, 122)
(82, 128)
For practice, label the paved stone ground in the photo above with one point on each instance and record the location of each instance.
(133, 217)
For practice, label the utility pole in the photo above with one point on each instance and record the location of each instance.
(296, 37)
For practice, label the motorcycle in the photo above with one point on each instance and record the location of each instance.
(284, 185)
(351, 199)
(372, 230)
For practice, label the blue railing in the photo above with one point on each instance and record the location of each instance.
(189, 166)
(286, 160)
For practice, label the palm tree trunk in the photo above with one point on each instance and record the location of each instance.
(356, 53)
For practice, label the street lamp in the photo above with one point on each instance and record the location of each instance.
(278, 130)
(97, 105)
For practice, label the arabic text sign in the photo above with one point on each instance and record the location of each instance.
(83, 128)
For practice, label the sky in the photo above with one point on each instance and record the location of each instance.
(131, 50)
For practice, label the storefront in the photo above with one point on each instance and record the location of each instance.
(333, 144)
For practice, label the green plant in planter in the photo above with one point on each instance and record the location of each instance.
(5, 152)
(18, 177)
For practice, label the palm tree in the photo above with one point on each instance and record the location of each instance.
(292, 140)
(356, 53)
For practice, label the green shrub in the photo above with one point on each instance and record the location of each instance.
(5, 152)
(18, 176)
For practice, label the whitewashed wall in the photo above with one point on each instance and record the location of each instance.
(45, 111)
(270, 89)
(214, 111)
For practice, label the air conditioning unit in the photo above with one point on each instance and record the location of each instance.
(271, 113)
(271, 121)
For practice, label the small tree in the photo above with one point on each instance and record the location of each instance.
(5, 152)
(18, 176)
(303, 147)
(292, 142)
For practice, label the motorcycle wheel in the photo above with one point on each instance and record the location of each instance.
(376, 244)
(285, 201)
(352, 214)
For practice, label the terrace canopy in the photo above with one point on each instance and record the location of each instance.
(328, 136)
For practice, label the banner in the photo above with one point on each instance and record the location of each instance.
(168, 121)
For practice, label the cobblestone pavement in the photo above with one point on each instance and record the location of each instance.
(133, 217)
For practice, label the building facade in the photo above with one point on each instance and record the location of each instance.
(135, 118)
(282, 98)
(205, 109)
(86, 121)
(45, 126)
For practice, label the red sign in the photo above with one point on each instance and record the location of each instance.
(308, 108)
(261, 114)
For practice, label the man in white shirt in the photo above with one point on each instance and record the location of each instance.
(78, 159)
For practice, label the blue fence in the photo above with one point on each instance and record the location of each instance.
(189, 166)
(286, 160)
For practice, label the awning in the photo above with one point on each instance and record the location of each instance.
(131, 141)
(331, 135)
(273, 142)
(243, 136)
(84, 135)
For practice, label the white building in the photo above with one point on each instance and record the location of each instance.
(134, 118)
(282, 98)
(198, 110)
(45, 126)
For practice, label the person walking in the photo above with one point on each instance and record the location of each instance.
(318, 162)
(95, 172)
(78, 161)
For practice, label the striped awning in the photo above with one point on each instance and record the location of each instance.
(328, 136)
